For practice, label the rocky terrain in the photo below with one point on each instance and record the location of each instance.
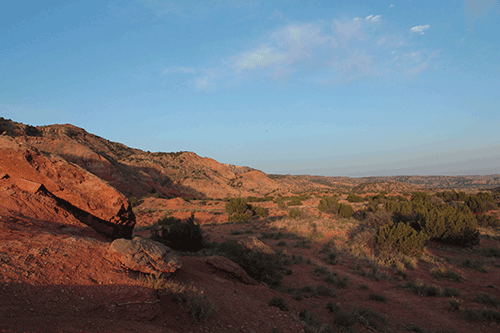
(66, 194)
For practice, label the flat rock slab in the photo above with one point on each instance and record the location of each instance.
(228, 266)
(146, 256)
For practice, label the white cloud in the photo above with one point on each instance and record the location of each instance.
(420, 29)
(286, 46)
(372, 18)
(263, 57)
(346, 51)
(391, 6)
(204, 83)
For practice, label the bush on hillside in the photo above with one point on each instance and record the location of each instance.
(354, 198)
(237, 205)
(236, 217)
(455, 225)
(345, 211)
(264, 267)
(402, 238)
(328, 204)
(294, 213)
(181, 236)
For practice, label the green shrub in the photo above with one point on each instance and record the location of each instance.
(278, 302)
(443, 273)
(237, 205)
(491, 252)
(320, 271)
(264, 267)
(474, 264)
(487, 220)
(421, 288)
(260, 211)
(377, 297)
(179, 236)
(378, 219)
(200, 307)
(354, 198)
(281, 203)
(481, 202)
(294, 213)
(487, 300)
(345, 211)
(455, 304)
(324, 291)
(328, 204)
(295, 202)
(331, 258)
(401, 238)
(451, 292)
(236, 217)
(338, 281)
(481, 315)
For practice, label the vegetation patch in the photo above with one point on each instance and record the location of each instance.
(443, 273)
(278, 302)
(419, 287)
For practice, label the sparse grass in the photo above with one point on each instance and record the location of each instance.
(419, 287)
(338, 281)
(304, 244)
(314, 323)
(377, 297)
(491, 252)
(474, 264)
(486, 300)
(366, 317)
(200, 307)
(320, 271)
(373, 274)
(443, 273)
(364, 287)
(481, 315)
(274, 235)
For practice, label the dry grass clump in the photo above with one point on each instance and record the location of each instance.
(200, 307)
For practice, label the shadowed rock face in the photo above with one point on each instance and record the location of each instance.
(146, 256)
(28, 176)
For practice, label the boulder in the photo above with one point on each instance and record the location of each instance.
(27, 172)
(226, 265)
(146, 256)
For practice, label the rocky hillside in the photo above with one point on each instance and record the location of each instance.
(137, 173)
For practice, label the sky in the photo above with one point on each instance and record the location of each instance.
(332, 88)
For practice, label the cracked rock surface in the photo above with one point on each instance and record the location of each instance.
(146, 256)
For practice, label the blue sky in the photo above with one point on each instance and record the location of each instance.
(335, 88)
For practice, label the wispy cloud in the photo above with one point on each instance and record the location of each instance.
(475, 9)
(421, 29)
(344, 51)
(348, 50)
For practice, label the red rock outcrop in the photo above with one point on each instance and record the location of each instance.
(40, 185)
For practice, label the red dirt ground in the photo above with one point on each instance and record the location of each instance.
(62, 278)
